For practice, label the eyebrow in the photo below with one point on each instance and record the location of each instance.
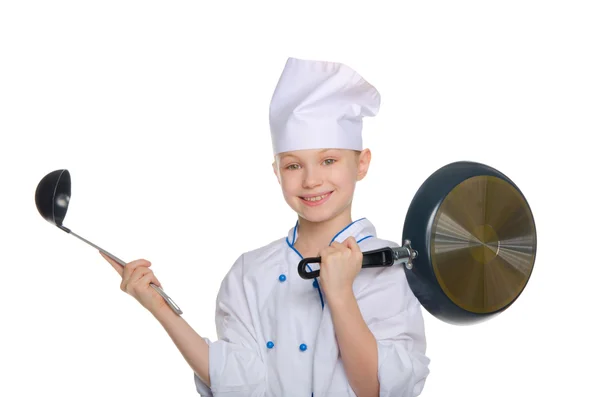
(320, 152)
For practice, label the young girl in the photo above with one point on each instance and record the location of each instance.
(350, 332)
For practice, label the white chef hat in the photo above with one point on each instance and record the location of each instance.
(318, 105)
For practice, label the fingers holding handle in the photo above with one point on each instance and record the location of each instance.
(127, 272)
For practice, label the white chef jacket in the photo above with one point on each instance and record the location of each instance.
(276, 336)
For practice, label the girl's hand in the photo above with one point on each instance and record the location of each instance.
(340, 264)
(137, 277)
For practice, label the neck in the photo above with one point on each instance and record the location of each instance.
(314, 236)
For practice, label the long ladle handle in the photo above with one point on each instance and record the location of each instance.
(162, 293)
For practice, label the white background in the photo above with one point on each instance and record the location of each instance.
(159, 110)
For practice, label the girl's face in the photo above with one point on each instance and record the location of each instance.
(318, 184)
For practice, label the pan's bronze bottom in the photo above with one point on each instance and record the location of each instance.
(483, 244)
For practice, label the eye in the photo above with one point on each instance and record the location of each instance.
(292, 167)
(329, 161)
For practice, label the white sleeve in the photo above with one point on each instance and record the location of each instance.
(201, 387)
(235, 364)
(393, 314)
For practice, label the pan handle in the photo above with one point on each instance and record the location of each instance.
(376, 258)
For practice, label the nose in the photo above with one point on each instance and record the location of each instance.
(311, 177)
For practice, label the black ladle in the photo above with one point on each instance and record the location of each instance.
(52, 200)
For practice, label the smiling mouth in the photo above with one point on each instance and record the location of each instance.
(315, 199)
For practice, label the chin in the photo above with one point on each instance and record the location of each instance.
(316, 218)
(318, 215)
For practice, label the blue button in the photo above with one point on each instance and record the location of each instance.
(303, 347)
(282, 278)
(270, 344)
(315, 284)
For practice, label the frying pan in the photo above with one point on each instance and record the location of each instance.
(52, 197)
(469, 244)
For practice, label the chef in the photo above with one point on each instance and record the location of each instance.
(277, 334)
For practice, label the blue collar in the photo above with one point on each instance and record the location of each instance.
(360, 229)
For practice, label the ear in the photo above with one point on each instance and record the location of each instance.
(364, 160)
(276, 170)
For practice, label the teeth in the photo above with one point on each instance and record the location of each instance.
(314, 198)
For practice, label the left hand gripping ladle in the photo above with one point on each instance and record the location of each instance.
(52, 200)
